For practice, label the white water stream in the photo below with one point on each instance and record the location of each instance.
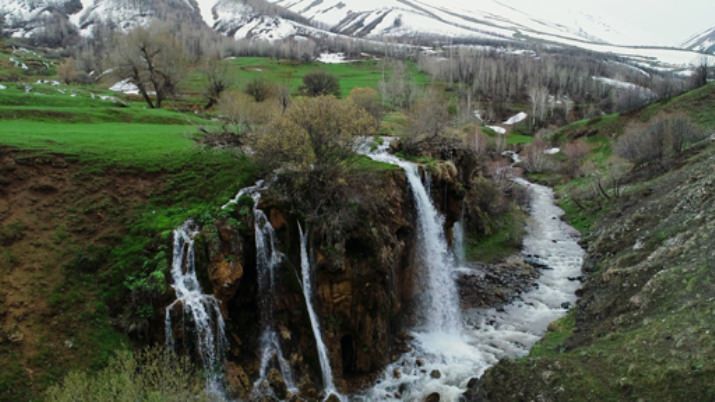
(201, 310)
(449, 349)
(306, 272)
(268, 258)
(449, 346)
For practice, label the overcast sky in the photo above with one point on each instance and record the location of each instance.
(648, 22)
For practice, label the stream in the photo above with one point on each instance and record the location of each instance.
(449, 346)
(443, 357)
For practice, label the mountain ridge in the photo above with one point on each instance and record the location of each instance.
(406, 21)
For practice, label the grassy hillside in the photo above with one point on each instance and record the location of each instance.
(91, 186)
(642, 328)
(361, 74)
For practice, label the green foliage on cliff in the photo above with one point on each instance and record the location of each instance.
(504, 239)
(149, 375)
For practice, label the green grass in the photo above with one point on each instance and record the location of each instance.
(516, 138)
(363, 163)
(151, 146)
(553, 341)
(698, 104)
(505, 240)
(96, 131)
(361, 74)
(394, 124)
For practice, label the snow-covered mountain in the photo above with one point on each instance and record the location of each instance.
(467, 21)
(255, 20)
(127, 14)
(25, 18)
(702, 42)
(485, 19)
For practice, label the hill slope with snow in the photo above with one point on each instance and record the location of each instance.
(703, 42)
(458, 20)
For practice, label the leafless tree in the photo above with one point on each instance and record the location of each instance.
(217, 81)
(539, 97)
(429, 116)
(535, 159)
(659, 141)
(153, 60)
(700, 77)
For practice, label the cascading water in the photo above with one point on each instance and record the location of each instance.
(305, 267)
(202, 310)
(441, 302)
(443, 360)
(458, 242)
(268, 258)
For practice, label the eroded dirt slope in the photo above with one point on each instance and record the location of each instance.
(58, 220)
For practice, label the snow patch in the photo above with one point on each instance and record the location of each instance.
(206, 8)
(333, 58)
(18, 63)
(516, 119)
(498, 129)
(125, 87)
(616, 83)
(54, 83)
(552, 151)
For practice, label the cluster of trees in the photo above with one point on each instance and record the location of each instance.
(559, 87)
(658, 142)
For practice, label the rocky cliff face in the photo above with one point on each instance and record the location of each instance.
(364, 286)
(365, 279)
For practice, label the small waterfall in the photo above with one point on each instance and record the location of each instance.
(201, 310)
(315, 325)
(268, 259)
(441, 301)
(460, 253)
(489, 335)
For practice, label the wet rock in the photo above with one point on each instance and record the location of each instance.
(277, 383)
(433, 397)
(332, 398)
(396, 374)
(566, 305)
(492, 286)
(278, 220)
(436, 374)
(237, 381)
(225, 276)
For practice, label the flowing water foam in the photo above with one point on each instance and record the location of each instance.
(443, 359)
(202, 311)
(306, 272)
(268, 259)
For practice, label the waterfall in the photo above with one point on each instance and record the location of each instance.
(458, 242)
(268, 258)
(440, 302)
(487, 335)
(315, 325)
(202, 310)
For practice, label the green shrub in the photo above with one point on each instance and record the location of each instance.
(151, 375)
(320, 83)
